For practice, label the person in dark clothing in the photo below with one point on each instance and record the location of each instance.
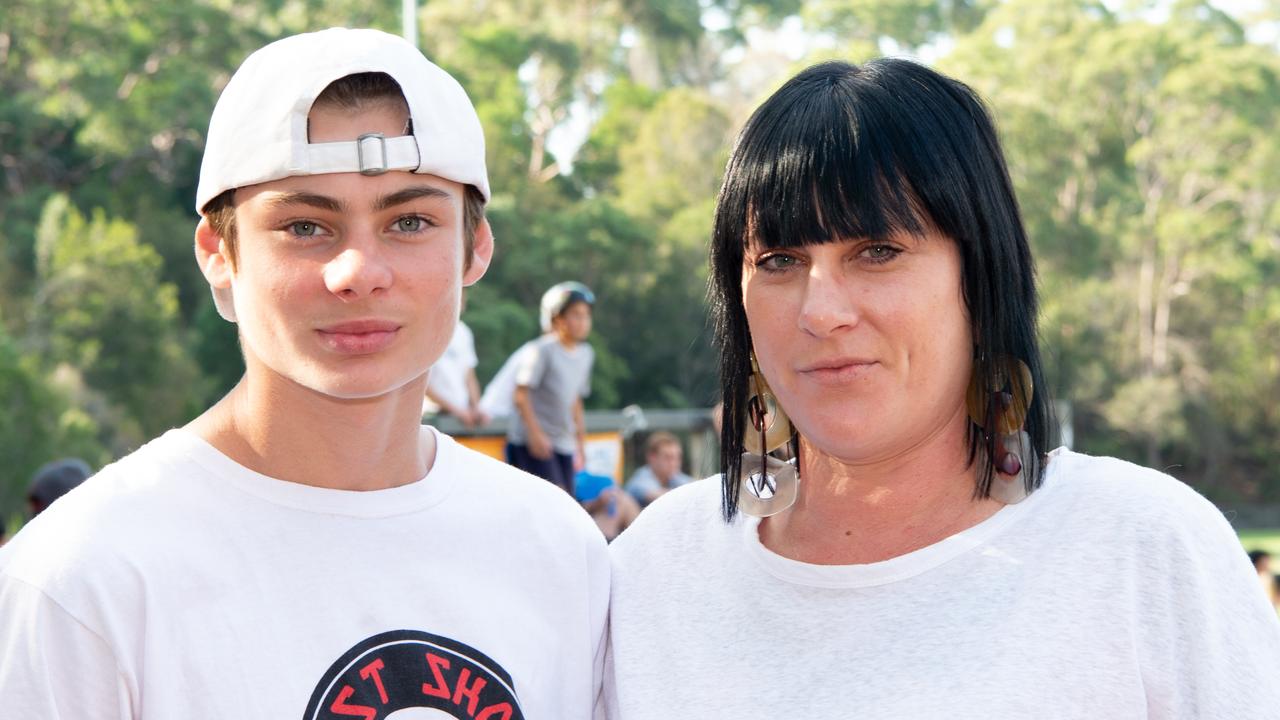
(53, 480)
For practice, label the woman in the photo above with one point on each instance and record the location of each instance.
(922, 555)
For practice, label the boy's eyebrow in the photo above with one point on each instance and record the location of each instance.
(322, 202)
(403, 196)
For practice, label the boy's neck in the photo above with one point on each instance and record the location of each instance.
(567, 340)
(283, 430)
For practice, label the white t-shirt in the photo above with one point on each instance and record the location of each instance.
(178, 584)
(1112, 592)
(448, 378)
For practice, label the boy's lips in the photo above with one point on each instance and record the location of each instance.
(359, 337)
(357, 327)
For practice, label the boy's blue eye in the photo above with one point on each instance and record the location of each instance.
(303, 229)
(410, 223)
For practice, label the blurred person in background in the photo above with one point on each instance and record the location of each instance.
(452, 386)
(611, 508)
(53, 480)
(663, 459)
(1261, 560)
(917, 551)
(552, 375)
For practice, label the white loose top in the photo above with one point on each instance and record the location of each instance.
(1113, 592)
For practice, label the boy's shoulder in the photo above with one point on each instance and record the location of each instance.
(545, 344)
(550, 343)
(99, 527)
(509, 495)
(137, 482)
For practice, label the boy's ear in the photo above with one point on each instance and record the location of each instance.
(212, 256)
(481, 253)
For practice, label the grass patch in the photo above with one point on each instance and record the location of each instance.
(1268, 540)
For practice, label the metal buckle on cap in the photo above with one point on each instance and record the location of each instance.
(366, 164)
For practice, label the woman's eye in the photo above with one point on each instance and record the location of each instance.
(881, 253)
(776, 263)
(409, 223)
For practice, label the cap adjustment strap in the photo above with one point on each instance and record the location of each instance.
(369, 154)
(370, 143)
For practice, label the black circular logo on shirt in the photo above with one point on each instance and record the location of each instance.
(412, 675)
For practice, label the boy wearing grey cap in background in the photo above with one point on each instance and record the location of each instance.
(552, 375)
(305, 548)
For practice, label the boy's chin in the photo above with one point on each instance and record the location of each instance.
(361, 390)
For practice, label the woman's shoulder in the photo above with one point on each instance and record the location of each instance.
(1108, 474)
(681, 517)
(1109, 488)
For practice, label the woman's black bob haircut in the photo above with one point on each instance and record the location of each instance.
(865, 151)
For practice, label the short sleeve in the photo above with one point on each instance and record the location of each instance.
(53, 665)
(589, 363)
(531, 365)
(467, 352)
(1210, 641)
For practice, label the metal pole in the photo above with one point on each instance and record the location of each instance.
(409, 20)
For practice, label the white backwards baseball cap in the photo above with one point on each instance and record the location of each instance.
(560, 296)
(258, 131)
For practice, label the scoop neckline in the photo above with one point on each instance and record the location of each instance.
(430, 489)
(904, 566)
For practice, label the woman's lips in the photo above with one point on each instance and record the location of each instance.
(837, 372)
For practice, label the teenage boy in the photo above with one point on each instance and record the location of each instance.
(305, 548)
(552, 376)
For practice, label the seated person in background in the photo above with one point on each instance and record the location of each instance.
(53, 480)
(612, 509)
(661, 472)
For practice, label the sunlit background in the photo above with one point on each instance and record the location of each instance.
(1142, 137)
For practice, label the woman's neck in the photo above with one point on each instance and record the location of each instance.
(855, 513)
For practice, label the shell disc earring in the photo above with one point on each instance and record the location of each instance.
(1008, 399)
(766, 485)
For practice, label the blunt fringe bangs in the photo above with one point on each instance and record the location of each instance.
(847, 151)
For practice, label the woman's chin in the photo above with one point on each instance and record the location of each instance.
(847, 443)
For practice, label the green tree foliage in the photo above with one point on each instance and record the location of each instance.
(39, 424)
(1150, 187)
(909, 23)
(102, 308)
(1141, 138)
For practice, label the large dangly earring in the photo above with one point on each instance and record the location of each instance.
(1006, 401)
(766, 485)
